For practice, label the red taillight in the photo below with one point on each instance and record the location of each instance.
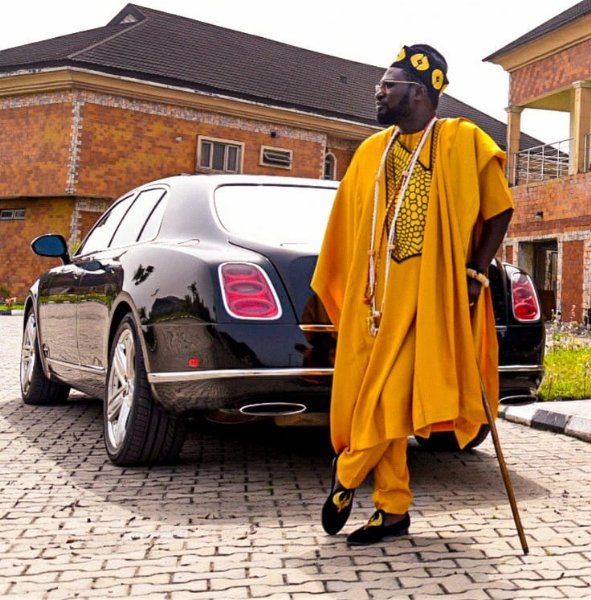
(524, 297)
(248, 293)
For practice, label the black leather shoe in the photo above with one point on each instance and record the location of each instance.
(337, 507)
(375, 530)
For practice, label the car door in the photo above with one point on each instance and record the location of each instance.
(57, 297)
(94, 279)
(104, 275)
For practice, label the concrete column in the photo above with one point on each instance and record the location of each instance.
(587, 282)
(513, 141)
(580, 125)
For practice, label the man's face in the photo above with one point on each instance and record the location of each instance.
(392, 97)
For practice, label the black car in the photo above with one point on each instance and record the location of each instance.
(191, 296)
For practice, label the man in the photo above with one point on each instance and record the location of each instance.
(417, 219)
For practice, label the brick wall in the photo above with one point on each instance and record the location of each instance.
(551, 73)
(124, 144)
(86, 219)
(34, 148)
(20, 266)
(558, 210)
(343, 151)
(98, 145)
(572, 280)
(564, 203)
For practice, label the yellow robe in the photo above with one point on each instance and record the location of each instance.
(424, 365)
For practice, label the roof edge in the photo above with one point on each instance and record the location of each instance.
(125, 30)
(559, 21)
(130, 13)
(80, 78)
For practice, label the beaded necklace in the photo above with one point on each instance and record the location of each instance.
(375, 314)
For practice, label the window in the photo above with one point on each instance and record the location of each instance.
(277, 215)
(330, 166)
(152, 225)
(133, 222)
(219, 155)
(12, 214)
(276, 157)
(100, 235)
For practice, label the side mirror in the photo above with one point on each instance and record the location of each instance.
(51, 244)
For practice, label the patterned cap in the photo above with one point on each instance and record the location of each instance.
(425, 63)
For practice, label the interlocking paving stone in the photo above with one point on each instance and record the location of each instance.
(238, 517)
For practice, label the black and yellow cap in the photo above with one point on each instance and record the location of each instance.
(425, 63)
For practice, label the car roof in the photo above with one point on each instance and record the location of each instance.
(214, 180)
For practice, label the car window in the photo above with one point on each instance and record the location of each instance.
(100, 235)
(152, 225)
(130, 227)
(275, 214)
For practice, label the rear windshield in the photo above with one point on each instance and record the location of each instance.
(278, 215)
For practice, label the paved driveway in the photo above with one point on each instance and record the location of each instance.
(238, 516)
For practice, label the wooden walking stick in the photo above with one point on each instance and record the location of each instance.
(504, 470)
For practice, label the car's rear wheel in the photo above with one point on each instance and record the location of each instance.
(36, 388)
(137, 430)
(445, 441)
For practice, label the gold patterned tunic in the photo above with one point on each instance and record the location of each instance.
(423, 367)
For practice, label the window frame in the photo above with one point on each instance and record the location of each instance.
(277, 165)
(201, 139)
(114, 242)
(12, 214)
(82, 251)
(329, 157)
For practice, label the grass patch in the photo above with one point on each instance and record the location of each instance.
(567, 366)
(12, 306)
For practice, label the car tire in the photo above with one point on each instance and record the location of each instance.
(445, 441)
(36, 388)
(137, 431)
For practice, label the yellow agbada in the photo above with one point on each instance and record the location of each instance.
(424, 365)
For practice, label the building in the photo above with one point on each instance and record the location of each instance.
(550, 235)
(87, 116)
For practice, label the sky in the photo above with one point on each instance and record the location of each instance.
(464, 31)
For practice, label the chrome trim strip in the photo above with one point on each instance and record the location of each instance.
(520, 368)
(178, 376)
(331, 328)
(63, 363)
(317, 328)
(308, 327)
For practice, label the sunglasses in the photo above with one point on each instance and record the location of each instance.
(387, 84)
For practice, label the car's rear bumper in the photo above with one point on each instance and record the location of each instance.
(189, 391)
(518, 383)
(235, 374)
(185, 392)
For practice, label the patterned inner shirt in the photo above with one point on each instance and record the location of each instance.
(410, 225)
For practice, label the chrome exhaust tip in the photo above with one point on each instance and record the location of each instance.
(519, 399)
(273, 409)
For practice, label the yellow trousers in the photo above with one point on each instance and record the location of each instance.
(390, 470)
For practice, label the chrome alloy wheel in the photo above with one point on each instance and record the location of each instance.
(28, 356)
(120, 389)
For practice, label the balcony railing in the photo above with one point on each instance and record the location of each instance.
(548, 161)
(540, 163)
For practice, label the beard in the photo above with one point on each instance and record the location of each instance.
(393, 115)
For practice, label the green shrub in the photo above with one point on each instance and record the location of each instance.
(567, 362)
